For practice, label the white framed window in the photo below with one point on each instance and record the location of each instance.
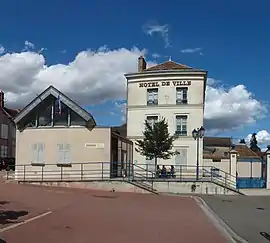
(151, 120)
(181, 125)
(4, 131)
(38, 150)
(152, 96)
(64, 156)
(181, 95)
(4, 151)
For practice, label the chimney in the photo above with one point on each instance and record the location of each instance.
(2, 98)
(141, 64)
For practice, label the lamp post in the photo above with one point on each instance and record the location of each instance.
(197, 134)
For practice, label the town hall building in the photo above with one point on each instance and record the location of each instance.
(175, 92)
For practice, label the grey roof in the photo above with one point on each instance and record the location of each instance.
(67, 101)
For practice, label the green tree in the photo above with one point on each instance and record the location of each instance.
(242, 141)
(157, 142)
(253, 145)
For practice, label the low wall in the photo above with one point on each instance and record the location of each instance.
(119, 186)
(185, 188)
(161, 187)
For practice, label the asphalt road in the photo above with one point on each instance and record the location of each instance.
(30, 214)
(247, 216)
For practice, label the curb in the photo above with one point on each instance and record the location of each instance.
(222, 227)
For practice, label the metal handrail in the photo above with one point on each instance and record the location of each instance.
(102, 171)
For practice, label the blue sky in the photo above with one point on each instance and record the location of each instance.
(230, 39)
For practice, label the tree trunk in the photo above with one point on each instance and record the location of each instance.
(155, 163)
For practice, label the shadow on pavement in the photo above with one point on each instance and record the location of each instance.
(3, 203)
(9, 216)
(2, 241)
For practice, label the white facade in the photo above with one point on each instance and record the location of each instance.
(166, 87)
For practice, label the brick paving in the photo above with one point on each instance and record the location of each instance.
(83, 216)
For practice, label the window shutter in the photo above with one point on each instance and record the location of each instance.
(60, 153)
(41, 148)
(67, 158)
(35, 153)
(181, 158)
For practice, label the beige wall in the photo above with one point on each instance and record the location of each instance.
(244, 169)
(224, 164)
(137, 96)
(137, 111)
(79, 138)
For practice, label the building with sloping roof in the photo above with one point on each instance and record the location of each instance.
(8, 131)
(173, 91)
(58, 138)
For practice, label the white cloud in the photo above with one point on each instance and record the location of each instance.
(93, 76)
(122, 108)
(230, 108)
(191, 50)
(155, 28)
(2, 49)
(155, 55)
(263, 138)
(28, 45)
(96, 76)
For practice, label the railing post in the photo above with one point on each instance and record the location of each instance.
(61, 173)
(24, 172)
(146, 172)
(81, 171)
(42, 173)
(180, 176)
(7, 175)
(102, 168)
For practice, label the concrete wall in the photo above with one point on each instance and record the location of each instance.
(86, 146)
(161, 187)
(137, 111)
(245, 168)
(224, 164)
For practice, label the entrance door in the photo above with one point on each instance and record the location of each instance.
(181, 159)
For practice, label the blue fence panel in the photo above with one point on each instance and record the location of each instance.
(243, 182)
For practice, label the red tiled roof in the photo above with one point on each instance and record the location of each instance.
(245, 151)
(11, 112)
(217, 141)
(169, 65)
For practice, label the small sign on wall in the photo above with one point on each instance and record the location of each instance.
(94, 145)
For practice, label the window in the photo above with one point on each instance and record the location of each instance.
(150, 164)
(64, 154)
(181, 125)
(76, 120)
(181, 95)
(152, 96)
(38, 153)
(4, 151)
(13, 131)
(4, 131)
(151, 120)
(44, 117)
(60, 114)
(181, 157)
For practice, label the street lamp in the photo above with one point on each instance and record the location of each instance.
(197, 134)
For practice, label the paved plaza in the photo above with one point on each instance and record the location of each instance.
(247, 216)
(30, 214)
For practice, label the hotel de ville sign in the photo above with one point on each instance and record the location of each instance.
(164, 83)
